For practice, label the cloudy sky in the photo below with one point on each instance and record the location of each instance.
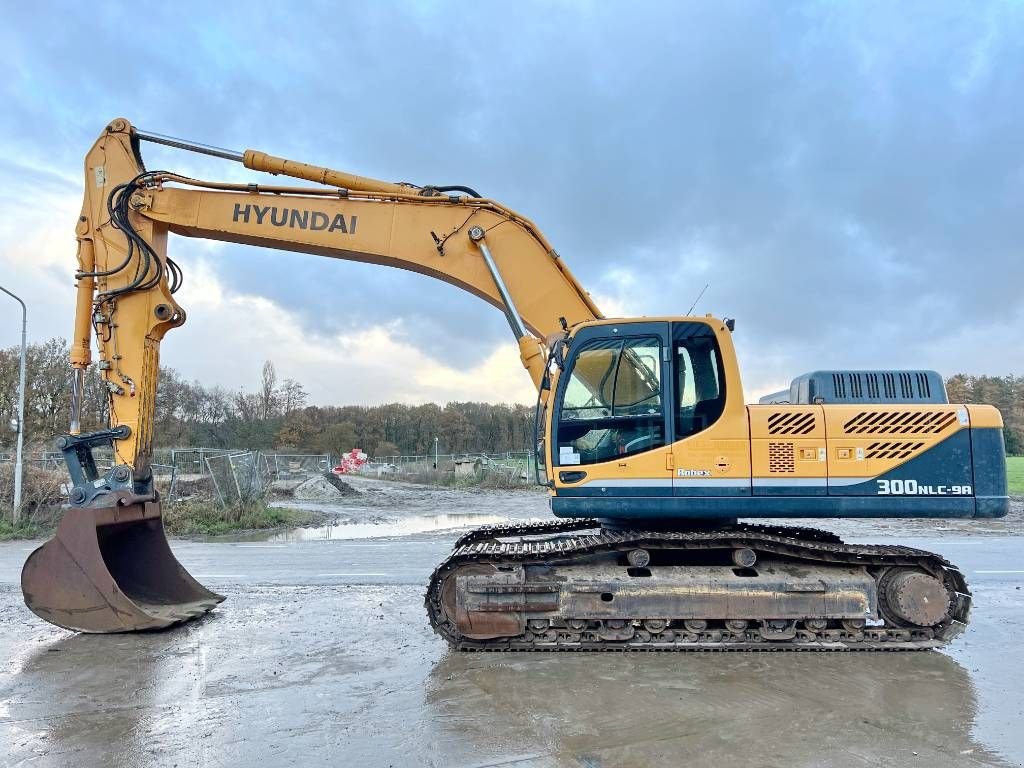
(847, 177)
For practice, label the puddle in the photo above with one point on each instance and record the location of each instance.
(405, 526)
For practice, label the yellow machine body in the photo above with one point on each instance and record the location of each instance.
(639, 419)
(714, 457)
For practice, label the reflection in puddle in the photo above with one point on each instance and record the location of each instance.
(800, 709)
(405, 526)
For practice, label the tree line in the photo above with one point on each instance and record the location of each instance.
(275, 415)
(272, 415)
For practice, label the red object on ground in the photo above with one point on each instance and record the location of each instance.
(351, 461)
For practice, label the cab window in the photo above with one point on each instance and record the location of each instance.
(700, 390)
(612, 404)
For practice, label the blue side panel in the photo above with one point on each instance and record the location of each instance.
(712, 490)
(990, 488)
(945, 464)
(594, 490)
(731, 490)
(711, 508)
(790, 490)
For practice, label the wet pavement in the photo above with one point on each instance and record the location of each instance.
(322, 656)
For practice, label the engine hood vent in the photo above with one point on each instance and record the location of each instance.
(858, 387)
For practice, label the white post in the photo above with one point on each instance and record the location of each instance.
(435, 453)
(21, 410)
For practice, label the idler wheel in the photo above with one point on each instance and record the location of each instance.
(744, 557)
(639, 558)
(917, 598)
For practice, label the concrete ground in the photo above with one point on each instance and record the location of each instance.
(322, 656)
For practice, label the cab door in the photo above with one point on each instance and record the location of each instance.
(612, 435)
(711, 452)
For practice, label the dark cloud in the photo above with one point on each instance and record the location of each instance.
(847, 177)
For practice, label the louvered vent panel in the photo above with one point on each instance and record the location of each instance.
(889, 385)
(894, 450)
(900, 422)
(791, 423)
(906, 386)
(924, 387)
(781, 457)
(872, 379)
(877, 387)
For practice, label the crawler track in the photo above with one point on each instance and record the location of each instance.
(565, 542)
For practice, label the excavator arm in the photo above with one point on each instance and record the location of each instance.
(109, 567)
(126, 280)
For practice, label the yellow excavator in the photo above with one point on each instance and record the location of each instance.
(656, 467)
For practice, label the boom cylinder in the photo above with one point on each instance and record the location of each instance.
(531, 351)
(77, 385)
(515, 321)
(81, 344)
(261, 161)
(191, 146)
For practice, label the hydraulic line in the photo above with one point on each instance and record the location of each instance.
(149, 262)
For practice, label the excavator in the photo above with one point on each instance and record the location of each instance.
(665, 486)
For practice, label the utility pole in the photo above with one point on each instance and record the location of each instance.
(16, 516)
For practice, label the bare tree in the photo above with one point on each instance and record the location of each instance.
(292, 396)
(268, 393)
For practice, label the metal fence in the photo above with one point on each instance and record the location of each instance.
(237, 474)
(192, 461)
(287, 466)
(516, 464)
(233, 474)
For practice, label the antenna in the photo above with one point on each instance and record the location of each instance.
(690, 310)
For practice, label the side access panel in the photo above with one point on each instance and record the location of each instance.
(788, 450)
(711, 453)
(988, 452)
(901, 460)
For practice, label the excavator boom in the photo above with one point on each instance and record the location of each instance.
(128, 213)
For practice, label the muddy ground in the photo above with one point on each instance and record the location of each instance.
(322, 656)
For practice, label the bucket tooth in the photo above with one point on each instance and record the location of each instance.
(111, 569)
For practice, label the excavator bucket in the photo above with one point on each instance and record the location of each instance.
(110, 569)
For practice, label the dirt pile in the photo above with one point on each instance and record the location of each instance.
(325, 487)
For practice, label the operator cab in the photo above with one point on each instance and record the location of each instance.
(616, 389)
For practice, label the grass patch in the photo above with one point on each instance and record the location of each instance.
(1015, 474)
(25, 529)
(209, 518)
(187, 518)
